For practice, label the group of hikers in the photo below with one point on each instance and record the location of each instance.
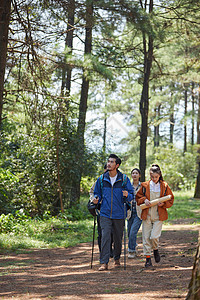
(112, 194)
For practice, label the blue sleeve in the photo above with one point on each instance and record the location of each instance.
(130, 190)
(97, 189)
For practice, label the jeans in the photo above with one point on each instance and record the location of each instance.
(109, 226)
(134, 224)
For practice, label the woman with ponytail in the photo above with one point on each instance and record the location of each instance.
(153, 216)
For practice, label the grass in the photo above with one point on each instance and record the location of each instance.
(184, 207)
(47, 234)
(65, 232)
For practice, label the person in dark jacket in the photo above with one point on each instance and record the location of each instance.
(112, 215)
(91, 192)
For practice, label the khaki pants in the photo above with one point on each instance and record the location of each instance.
(151, 228)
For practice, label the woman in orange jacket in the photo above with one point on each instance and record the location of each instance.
(153, 216)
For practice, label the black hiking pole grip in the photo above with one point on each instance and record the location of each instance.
(93, 241)
(124, 198)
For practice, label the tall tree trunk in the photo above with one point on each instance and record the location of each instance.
(185, 122)
(171, 117)
(57, 125)
(193, 114)
(144, 101)
(75, 192)
(104, 133)
(105, 127)
(67, 70)
(157, 127)
(172, 121)
(5, 9)
(66, 88)
(194, 285)
(197, 186)
(198, 119)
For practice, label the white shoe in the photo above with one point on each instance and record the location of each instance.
(132, 255)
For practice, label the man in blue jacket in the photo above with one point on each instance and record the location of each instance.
(112, 209)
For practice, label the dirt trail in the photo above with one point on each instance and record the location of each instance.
(66, 273)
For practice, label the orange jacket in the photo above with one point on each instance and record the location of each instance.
(164, 191)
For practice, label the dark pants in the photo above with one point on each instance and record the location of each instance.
(109, 226)
(100, 235)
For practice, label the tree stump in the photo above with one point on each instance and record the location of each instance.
(194, 285)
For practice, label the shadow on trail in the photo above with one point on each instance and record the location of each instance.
(66, 273)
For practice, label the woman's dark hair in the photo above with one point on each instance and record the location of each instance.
(156, 169)
(138, 170)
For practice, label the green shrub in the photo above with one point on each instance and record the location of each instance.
(178, 170)
(20, 232)
(7, 185)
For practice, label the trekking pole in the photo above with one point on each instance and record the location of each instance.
(93, 240)
(124, 233)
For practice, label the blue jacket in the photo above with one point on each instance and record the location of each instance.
(111, 197)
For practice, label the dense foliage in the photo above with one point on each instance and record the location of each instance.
(71, 65)
(73, 227)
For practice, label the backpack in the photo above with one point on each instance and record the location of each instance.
(93, 207)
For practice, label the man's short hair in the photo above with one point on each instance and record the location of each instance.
(118, 160)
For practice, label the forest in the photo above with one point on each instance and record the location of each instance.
(67, 67)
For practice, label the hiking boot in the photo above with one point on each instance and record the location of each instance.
(156, 255)
(103, 267)
(132, 255)
(148, 262)
(117, 263)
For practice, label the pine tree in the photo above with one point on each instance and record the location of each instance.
(5, 10)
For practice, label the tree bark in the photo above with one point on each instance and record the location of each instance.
(171, 118)
(198, 119)
(194, 285)
(193, 114)
(57, 125)
(104, 133)
(67, 70)
(144, 101)
(172, 121)
(157, 128)
(75, 192)
(185, 122)
(105, 128)
(5, 9)
(197, 186)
